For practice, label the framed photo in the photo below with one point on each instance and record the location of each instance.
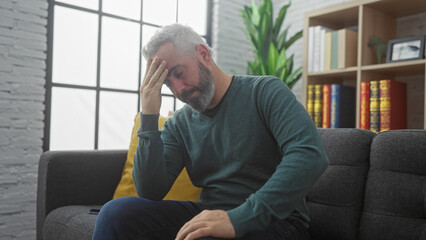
(403, 49)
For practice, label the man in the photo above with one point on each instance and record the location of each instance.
(245, 140)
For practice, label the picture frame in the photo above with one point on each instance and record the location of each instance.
(404, 49)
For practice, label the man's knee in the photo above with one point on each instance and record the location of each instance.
(121, 218)
(118, 208)
(118, 213)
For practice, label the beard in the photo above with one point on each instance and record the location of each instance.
(206, 88)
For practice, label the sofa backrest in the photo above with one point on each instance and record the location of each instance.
(336, 199)
(395, 194)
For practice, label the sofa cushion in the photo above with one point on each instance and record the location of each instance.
(182, 189)
(336, 199)
(70, 222)
(395, 206)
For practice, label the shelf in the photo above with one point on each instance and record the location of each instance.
(415, 67)
(348, 72)
(337, 20)
(369, 18)
(346, 76)
(397, 8)
(331, 12)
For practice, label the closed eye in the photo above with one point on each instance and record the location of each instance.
(175, 71)
(178, 73)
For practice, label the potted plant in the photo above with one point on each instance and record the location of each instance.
(269, 43)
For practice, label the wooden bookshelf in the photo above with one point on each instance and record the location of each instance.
(369, 18)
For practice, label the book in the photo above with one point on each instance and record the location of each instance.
(327, 51)
(342, 111)
(393, 105)
(365, 105)
(334, 50)
(347, 48)
(311, 39)
(318, 105)
(322, 48)
(326, 98)
(323, 32)
(310, 103)
(374, 106)
(317, 48)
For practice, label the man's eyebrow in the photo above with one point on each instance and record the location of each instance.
(172, 69)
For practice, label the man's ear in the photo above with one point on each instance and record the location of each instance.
(203, 54)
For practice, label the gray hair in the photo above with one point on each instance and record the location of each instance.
(184, 38)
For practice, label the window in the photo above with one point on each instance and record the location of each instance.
(95, 67)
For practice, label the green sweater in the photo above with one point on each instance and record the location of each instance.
(257, 158)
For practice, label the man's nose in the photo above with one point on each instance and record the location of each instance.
(178, 86)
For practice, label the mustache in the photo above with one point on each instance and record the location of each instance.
(185, 94)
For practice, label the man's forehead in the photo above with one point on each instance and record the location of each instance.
(174, 59)
(166, 50)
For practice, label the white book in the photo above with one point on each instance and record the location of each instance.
(322, 50)
(317, 47)
(311, 49)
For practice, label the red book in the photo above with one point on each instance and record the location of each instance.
(365, 106)
(326, 96)
(393, 105)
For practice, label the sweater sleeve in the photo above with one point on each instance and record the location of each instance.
(303, 161)
(158, 159)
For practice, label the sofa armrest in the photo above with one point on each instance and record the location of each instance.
(77, 178)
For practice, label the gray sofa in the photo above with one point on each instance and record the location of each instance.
(374, 188)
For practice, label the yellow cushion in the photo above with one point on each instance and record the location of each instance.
(182, 189)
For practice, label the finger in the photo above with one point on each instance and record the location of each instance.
(181, 234)
(188, 228)
(156, 78)
(201, 217)
(194, 219)
(148, 65)
(162, 78)
(153, 65)
(184, 229)
(199, 233)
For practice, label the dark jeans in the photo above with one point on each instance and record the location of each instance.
(138, 218)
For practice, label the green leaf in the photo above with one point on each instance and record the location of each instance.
(282, 40)
(269, 44)
(255, 13)
(280, 72)
(250, 30)
(280, 19)
(265, 6)
(284, 73)
(293, 78)
(262, 67)
(252, 68)
(290, 63)
(293, 39)
(273, 59)
(264, 34)
(282, 59)
(260, 43)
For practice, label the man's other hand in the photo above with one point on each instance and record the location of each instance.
(156, 73)
(209, 223)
